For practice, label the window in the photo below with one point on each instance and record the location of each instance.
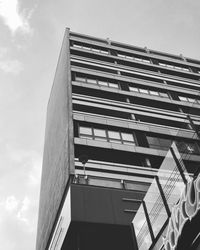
(98, 50)
(93, 81)
(165, 144)
(188, 99)
(100, 134)
(149, 92)
(108, 84)
(141, 60)
(133, 58)
(84, 47)
(107, 135)
(173, 66)
(159, 143)
(162, 94)
(80, 79)
(188, 147)
(77, 46)
(113, 85)
(133, 89)
(105, 83)
(191, 100)
(104, 51)
(144, 91)
(85, 132)
(95, 50)
(153, 93)
(114, 136)
(121, 55)
(182, 98)
(127, 138)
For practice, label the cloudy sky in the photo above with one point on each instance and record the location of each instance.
(31, 33)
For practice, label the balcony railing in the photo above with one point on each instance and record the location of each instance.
(162, 194)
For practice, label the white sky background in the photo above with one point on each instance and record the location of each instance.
(31, 33)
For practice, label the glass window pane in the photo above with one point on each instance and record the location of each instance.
(80, 79)
(99, 132)
(114, 135)
(104, 52)
(146, 61)
(86, 130)
(153, 92)
(127, 136)
(162, 64)
(182, 98)
(93, 81)
(192, 148)
(164, 94)
(77, 46)
(113, 85)
(95, 50)
(191, 100)
(152, 140)
(138, 59)
(88, 48)
(165, 142)
(103, 83)
(144, 91)
(133, 89)
(120, 55)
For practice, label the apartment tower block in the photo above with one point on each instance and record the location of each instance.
(113, 114)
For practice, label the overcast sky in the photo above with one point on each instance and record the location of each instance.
(31, 33)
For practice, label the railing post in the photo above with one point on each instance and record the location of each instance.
(148, 221)
(163, 196)
(193, 126)
(178, 164)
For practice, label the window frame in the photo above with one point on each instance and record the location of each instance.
(89, 47)
(188, 99)
(107, 138)
(134, 58)
(158, 146)
(148, 92)
(96, 81)
(171, 66)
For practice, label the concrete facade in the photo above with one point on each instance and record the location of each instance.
(118, 107)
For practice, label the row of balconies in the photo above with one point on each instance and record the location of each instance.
(176, 86)
(104, 45)
(141, 62)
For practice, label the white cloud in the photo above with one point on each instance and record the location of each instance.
(7, 64)
(11, 66)
(3, 51)
(11, 203)
(18, 197)
(21, 215)
(15, 20)
(17, 220)
(35, 172)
